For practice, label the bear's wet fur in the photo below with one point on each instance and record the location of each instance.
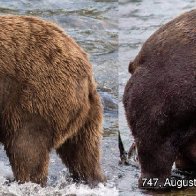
(160, 99)
(48, 99)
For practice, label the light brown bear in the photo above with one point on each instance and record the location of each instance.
(48, 99)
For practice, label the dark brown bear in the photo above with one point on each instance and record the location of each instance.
(48, 99)
(160, 100)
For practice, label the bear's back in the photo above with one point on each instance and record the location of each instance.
(37, 45)
(42, 70)
(163, 85)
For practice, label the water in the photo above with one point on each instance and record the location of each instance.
(138, 19)
(94, 25)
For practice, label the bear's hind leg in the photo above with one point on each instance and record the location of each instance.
(186, 159)
(81, 153)
(184, 163)
(28, 152)
(156, 157)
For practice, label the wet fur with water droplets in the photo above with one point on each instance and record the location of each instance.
(160, 99)
(48, 99)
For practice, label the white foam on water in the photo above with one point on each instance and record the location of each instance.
(73, 189)
(61, 187)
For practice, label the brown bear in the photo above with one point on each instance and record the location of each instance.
(48, 99)
(160, 100)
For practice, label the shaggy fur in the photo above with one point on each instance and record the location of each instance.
(160, 99)
(48, 99)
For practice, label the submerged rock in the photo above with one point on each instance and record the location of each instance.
(108, 101)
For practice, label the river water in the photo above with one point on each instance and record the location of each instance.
(138, 19)
(94, 25)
